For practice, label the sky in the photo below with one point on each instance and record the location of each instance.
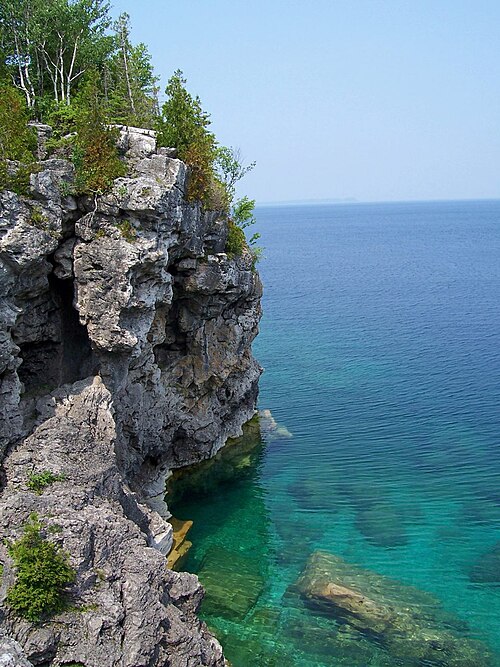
(369, 100)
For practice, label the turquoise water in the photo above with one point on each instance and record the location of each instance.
(380, 342)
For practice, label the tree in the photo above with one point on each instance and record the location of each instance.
(49, 44)
(71, 40)
(17, 34)
(17, 140)
(184, 125)
(130, 85)
(229, 167)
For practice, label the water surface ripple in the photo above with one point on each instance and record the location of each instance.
(380, 340)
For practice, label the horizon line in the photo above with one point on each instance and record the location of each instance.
(350, 201)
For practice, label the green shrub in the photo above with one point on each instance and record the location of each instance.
(37, 218)
(38, 482)
(128, 231)
(236, 241)
(18, 142)
(198, 156)
(219, 198)
(62, 118)
(95, 155)
(43, 573)
(242, 217)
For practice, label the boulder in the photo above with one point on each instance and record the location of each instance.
(408, 623)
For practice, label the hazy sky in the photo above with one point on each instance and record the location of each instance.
(374, 100)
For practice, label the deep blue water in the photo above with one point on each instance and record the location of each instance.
(381, 347)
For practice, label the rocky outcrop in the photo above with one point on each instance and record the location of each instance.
(125, 352)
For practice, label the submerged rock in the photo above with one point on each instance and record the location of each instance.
(234, 461)
(233, 582)
(381, 521)
(180, 547)
(270, 427)
(382, 525)
(487, 568)
(313, 494)
(408, 623)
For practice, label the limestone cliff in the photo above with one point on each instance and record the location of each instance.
(125, 351)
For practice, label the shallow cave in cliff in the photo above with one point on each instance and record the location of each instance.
(67, 356)
(174, 346)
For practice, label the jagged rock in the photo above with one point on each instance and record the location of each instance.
(125, 598)
(409, 623)
(11, 654)
(63, 260)
(136, 141)
(133, 289)
(44, 132)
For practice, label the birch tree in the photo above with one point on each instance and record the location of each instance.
(72, 39)
(130, 82)
(17, 27)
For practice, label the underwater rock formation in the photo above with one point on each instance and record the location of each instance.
(410, 624)
(487, 568)
(125, 351)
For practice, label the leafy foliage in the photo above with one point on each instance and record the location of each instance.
(236, 243)
(242, 216)
(17, 141)
(95, 156)
(38, 482)
(129, 80)
(49, 44)
(229, 167)
(43, 573)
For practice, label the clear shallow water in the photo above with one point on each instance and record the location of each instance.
(380, 340)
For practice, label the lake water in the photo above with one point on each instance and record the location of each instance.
(381, 347)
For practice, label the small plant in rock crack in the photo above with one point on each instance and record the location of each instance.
(66, 189)
(122, 191)
(38, 482)
(128, 231)
(37, 218)
(43, 574)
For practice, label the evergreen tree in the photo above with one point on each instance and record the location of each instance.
(184, 126)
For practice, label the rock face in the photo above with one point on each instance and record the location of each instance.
(410, 624)
(125, 352)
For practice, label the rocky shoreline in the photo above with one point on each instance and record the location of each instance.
(125, 352)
